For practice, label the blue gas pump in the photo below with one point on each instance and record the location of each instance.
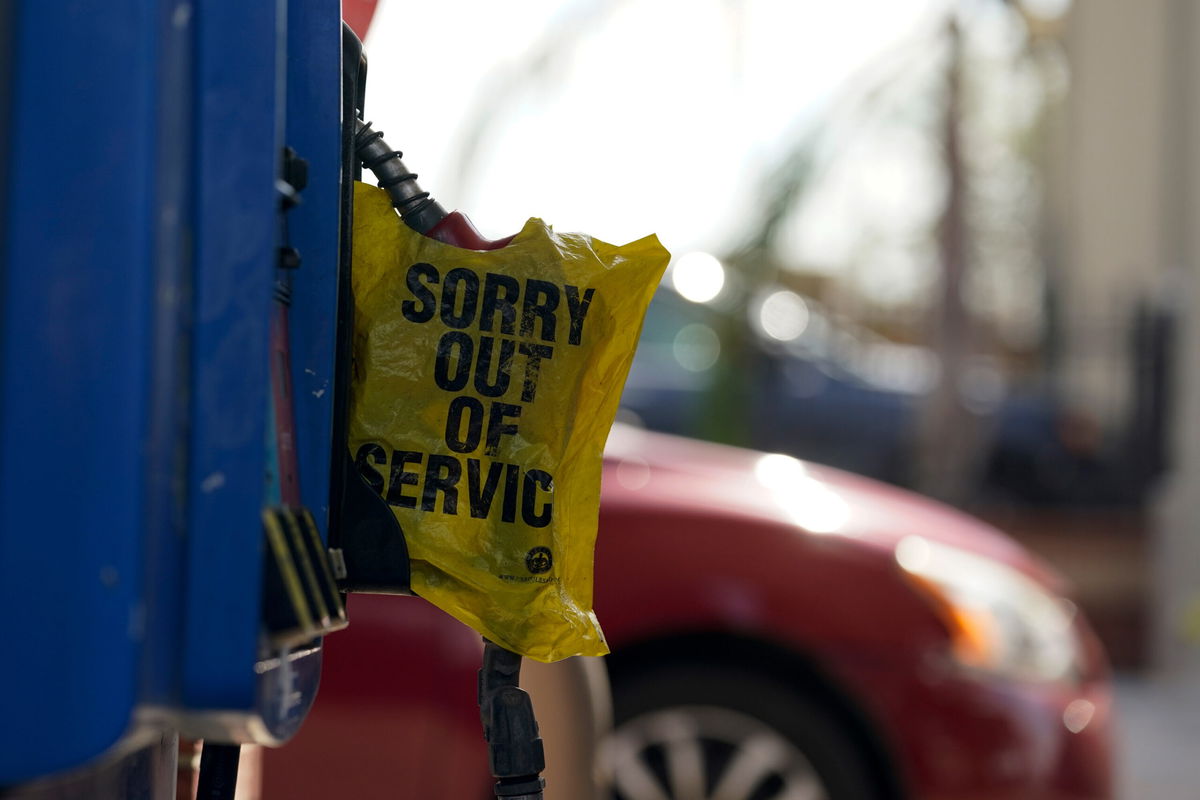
(179, 514)
(171, 176)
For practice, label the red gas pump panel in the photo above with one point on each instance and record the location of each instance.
(358, 15)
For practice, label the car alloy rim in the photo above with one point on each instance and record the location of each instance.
(706, 753)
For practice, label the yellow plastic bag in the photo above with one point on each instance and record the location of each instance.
(485, 383)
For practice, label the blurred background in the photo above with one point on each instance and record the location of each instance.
(949, 245)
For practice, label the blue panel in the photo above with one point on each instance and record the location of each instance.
(166, 446)
(140, 214)
(314, 130)
(237, 150)
(76, 323)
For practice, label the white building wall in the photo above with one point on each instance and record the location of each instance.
(1113, 199)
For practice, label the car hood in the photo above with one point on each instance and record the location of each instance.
(643, 467)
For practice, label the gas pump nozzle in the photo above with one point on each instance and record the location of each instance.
(515, 750)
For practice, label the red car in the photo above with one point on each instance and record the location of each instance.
(779, 630)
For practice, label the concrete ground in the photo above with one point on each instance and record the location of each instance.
(1157, 739)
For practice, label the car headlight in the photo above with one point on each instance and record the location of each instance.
(999, 619)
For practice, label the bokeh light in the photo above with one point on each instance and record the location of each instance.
(698, 277)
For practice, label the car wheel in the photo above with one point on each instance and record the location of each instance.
(697, 733)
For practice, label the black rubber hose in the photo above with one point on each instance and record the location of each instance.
(416, 207)
(218, 771)
(514, 748)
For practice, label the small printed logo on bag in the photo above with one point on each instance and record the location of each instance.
(539, 560)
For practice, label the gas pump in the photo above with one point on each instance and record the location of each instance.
(179, 516)
(170, 571)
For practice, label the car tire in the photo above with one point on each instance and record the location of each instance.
(720, 733)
